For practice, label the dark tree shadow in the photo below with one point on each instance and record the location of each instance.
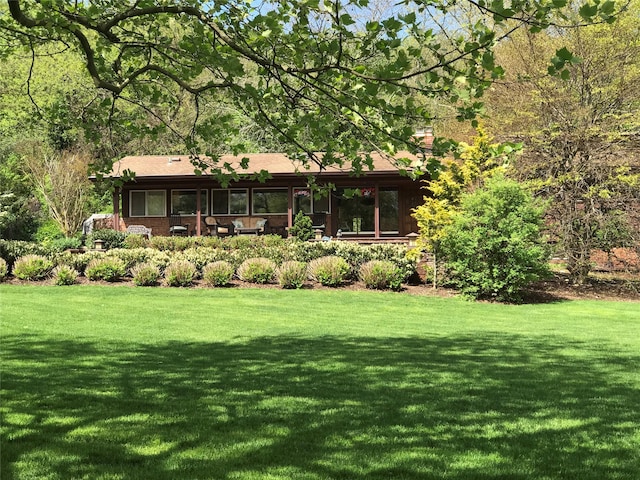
(487, 407)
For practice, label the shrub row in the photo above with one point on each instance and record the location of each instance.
(329, 270)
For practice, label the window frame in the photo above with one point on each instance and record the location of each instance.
(229, 190)
(285, 190)
(313, 201)
(146, 203)
(204, 205)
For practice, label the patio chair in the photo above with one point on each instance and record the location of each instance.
(176, 227)
(217, 229)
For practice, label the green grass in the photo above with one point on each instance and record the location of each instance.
(156, 383)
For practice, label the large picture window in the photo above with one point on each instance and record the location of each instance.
(147, 203)
(389, 216)
(185, 202)
(230, 202)
(270, 200)
(304, 200)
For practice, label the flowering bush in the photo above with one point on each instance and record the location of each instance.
(218, 274)
(292, 274)
(4, 269)
(381, 274)
(180, 273)
(257, 270)
(109, 269)
(64, 275)
(32, 267)
(331, 271)
(145, 274)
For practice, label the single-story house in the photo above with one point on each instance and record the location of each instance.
(166, 186)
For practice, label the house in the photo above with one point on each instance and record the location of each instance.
(167, 185)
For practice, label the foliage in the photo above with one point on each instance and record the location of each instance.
(580, 130)
(472, 166)
(292, 274)
(135, 241)
(64, 275)
(109, 269)
(302, 227)
(494, 247)
(10, 250)
(218, 274)
(145, 274)
(32, 267)
(257, 270)
(381, 274)
(4, 269)
(112, 238)
(358, 81)
(180, 273)
(330, 271)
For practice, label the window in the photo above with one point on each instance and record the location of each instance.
(185, 202)
(356, 209)
(230, 202)
(389, 217)
(304, 200)
(270, 200)
(147, 203)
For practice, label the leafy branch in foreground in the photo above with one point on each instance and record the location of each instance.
(308, 71)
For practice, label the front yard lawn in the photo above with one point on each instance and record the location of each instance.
(156, 383)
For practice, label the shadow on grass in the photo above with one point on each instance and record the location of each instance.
(490, 407)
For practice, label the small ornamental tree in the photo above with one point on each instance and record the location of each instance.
(494, 247)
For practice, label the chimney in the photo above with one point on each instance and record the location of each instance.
(174, 159)
(424, 136)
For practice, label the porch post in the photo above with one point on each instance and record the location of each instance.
(198, 212)
(376, 212)
(116, 208)
(290, 209)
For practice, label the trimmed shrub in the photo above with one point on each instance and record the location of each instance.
(218, 274)
(180, 273)
(112, 238)
(381, 275)
(11, 250)
(330, 271)
(4, 269)
(135, 240)
(257, 270)
(109, 269)
(32, 267)
(302, 227)
(292, 274)
(64, 275)
(145, 274)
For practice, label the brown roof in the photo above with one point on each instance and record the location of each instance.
(274, 163)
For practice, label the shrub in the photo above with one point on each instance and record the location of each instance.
(32, 267)
(292, 274)
(134, 240)
(218, 274)
(494, 247)
(302, 227)
(381, 274)
(180, 273)
(257, 270)
(112, 238)
(11, 250)
(331, 271)
(145, 274)
(4, 269)
(109, 269)
(64, 275)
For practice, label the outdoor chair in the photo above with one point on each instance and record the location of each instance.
(176, 227)
(217, 229)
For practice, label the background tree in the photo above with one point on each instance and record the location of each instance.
(581, 131)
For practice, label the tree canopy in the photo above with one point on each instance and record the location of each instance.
(320, 75)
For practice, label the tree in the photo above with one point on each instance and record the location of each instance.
(581, 131)
(304, 70)
(63, 185)
(494, 248)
